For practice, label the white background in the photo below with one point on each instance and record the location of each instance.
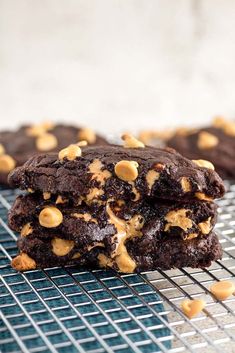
(117, 64)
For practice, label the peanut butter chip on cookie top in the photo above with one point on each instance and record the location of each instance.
(127, 170)
(7, 163)
(131, 142)
(46, 142)
(71, 152)
(87, 135)
(206, 140)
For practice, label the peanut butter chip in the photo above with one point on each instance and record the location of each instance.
(178, 219)
(87, 134)
(203, 163)
(151, 177)
(82, 143)
(46, 142)
(127, 170)
(7, 163)
(71, 152)
(26, 230)
(229, 128)
(223, 289)
(61, 247)
(207, 140)
(39, 129)
(50, 217)
(2, 149)
(131, 142)
(219, 122)
(193, 307)
(46, 195)
(202, 196)
(23, 262)
(186, 185)
(191, 236)
(205, 226)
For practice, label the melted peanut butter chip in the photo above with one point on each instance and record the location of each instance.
(125, 230)
(30, 190)
(93, 194)
(207, 140)
(2, 149)
(131, 142)
(46, 195)
(7, 163)
(178, 219)
(202, 196)
(223, 289)
(193, 307)
(85, 216)
(23, 262)
(99, 174)
(206, 226)
(60, 199)
(127, 170)
(26, 230)
(87, 134)
(71, 152)
(105, 261)
(77, 255)
(61, 247)
(151, 177)
(191, 236)
(186, 185)
(46, 142)
(203, 163)
(50, 217)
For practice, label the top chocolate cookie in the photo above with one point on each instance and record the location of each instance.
(132, 172)
(215, 143)
(18, 146)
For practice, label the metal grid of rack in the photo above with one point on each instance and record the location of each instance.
(73, 310)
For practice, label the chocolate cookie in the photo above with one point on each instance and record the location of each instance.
(126, 237)
(18, 146)
(130, 208)
(114, 172)
(215, 143)
(164, 218)
(139, 255)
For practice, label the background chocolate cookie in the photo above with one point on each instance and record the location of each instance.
(17, 146)
(215, 143)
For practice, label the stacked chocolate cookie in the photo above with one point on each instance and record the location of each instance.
(130, 208)
(17, 146)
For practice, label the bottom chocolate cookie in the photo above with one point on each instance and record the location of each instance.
(142, 254)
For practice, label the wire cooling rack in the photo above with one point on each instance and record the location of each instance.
(73, 310)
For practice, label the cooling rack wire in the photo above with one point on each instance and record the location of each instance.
(68, 310)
